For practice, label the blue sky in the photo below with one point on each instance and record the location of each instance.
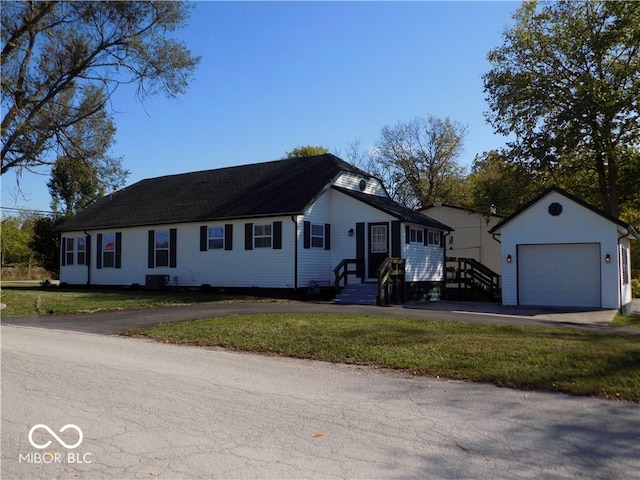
(276, 75)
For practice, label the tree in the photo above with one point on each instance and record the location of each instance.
(90, 172)
(306, 151)
(566, 83)
(417, 160)
(16, 233)
(61, 61)
(499, 186)
(45, 243)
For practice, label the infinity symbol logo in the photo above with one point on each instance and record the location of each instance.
(53, 434)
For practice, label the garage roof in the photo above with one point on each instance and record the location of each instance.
(630, 231)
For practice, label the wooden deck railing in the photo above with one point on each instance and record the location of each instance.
(342, 272)
(391, 281)
(469, 273)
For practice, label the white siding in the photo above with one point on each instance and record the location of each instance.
(345, 213)
(351, 181)
(471, 237)
(264, 267)
(576, 224)
(423, 262)
(73, 274)
(315, 264)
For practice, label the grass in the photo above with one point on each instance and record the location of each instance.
(549, 359)
(631, 320)
(31, 300)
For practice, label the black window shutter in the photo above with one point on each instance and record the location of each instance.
(307, 234)
(203, 238)
(277, 235)
(99, 250)
(396, 251)
(407, 234)
(327, 236)
(360, 243)
(151, 254)
(425, 237)
(228, 236)
(63, 250)
(118, 250)
(441, 239)
(173, 250)
(248, 236)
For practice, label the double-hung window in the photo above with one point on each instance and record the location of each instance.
(108, 250)
(215, 238)
(70, 250)
(162, 248)
(434, 238)
(75, 251)
(317, 236)
(82, 250)
(262, 235)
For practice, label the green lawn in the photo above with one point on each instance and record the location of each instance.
(32, 300)
(632, 320)
(550, 359)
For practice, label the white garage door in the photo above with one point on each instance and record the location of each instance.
(564, 275)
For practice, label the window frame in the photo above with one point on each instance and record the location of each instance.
(416, 235)
(161, 250)
(216, 238)
(69, 250)
(108, 255)
(433, 238)
(319, 238)
(379, 239)
(81, 253)
(265, 238)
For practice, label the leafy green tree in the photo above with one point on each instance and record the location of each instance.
(566, 84)
(499, 186)
(16, 233)
(417, 160)
(86, 172)
(306, 151)
(61, 61)
(45, 243)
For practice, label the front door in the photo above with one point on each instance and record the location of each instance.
(378, 247)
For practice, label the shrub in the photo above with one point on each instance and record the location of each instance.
(635, 288)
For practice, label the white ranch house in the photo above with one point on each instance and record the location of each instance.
(285, 224)
(558, 250)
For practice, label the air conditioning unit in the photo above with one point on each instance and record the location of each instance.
(156, 282)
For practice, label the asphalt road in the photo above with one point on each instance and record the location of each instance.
(151, 410)
(114, 322)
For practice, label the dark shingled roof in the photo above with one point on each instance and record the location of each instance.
(394, 209)
(281, 187)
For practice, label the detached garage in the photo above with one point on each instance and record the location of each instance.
(559, 251)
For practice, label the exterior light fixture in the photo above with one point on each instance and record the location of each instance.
(509, 258)
(350, 232)
(607, 258)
